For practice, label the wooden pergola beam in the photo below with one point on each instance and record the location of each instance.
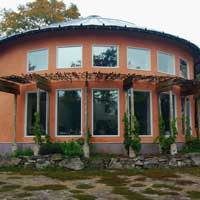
(9, 87)
(42, 83)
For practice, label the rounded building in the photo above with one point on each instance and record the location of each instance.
(86, 73)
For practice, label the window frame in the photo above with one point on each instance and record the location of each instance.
(188, 67)
(105, 45)
(27, 60)
(68, 46)
(118, 113)
(174, 62)
(151, 108)
(139, 48)
(26, 113)
(56, 113)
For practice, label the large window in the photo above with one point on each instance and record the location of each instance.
(105, 56)
(139, 59)
(68, 57)
(38, 60)
(105, 112)
(165, 110)
(142, 109)
(166, 63)
(31, 109)
(183, 69)
(69, 112)
(186, 115)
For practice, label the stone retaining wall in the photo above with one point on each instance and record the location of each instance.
(146, 162)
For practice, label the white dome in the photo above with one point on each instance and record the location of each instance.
(94, 20)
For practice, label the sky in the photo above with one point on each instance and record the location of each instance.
(177, 17)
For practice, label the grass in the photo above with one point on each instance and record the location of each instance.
(194, 194)
(14, 177)
(23, 195)
(7, 188)
(128, 194)
(76, 191)
(84, 197)
(84, 186)
(137, 185)
(45, 187)
(141, 178)
(159, 192)
(2, 183)
(184, 182)
(171, 187)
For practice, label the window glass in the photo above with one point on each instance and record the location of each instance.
(38, 60)
(69, 57)
(166, 63)
(105, 56)
(165, 110)
(183, 69)
(186, 112)
(138, 59)
(69, 112)
(32, 109)
(142, 111)
(105, 112)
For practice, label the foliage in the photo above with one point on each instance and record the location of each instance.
(166, 141)
(188, 127)
(88, 136)
(131, 135)
(36, 14)
(37, 129)
(47, 139)
(71, 149)
(192, 144)
(24, 152)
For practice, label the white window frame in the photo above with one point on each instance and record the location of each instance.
(56, 113)
(118, 117)
(138, 48)
(174, 64)
(106, 45)
(26, 112)
(151, 113)
(68, 46)
(27, 60)
(188, 67)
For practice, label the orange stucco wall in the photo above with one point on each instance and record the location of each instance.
(13, 60)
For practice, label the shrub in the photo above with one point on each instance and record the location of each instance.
(50, 148)
(191, 144)
(70, 149)
(24, 152)
(37, 129)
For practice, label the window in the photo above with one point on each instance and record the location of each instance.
(142, 109)
(165, 110)
(183, 69)
(105, 112)
(138, 59)
(186, 115)
(31, 109)
(105, 56)
(69, 112)
(166, 63)
(38, 60)
(68, 57)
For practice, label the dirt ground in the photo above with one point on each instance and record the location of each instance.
(158, 184)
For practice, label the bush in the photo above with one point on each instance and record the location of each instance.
(24, 152)
(50, 148)
(191, 145)
(67, 148)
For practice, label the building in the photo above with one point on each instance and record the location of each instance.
(86, 73)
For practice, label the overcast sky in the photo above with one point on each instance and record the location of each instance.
(178, 17)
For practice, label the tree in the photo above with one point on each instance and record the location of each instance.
(36, 14)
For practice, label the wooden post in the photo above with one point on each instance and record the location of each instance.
(171, 109)
(14, 145)
(86, 148)
(38, 100)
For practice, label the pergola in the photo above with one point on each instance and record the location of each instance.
(11, 84)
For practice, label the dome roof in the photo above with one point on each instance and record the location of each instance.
(94, 20)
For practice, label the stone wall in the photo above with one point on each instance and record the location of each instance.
(146, 162)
